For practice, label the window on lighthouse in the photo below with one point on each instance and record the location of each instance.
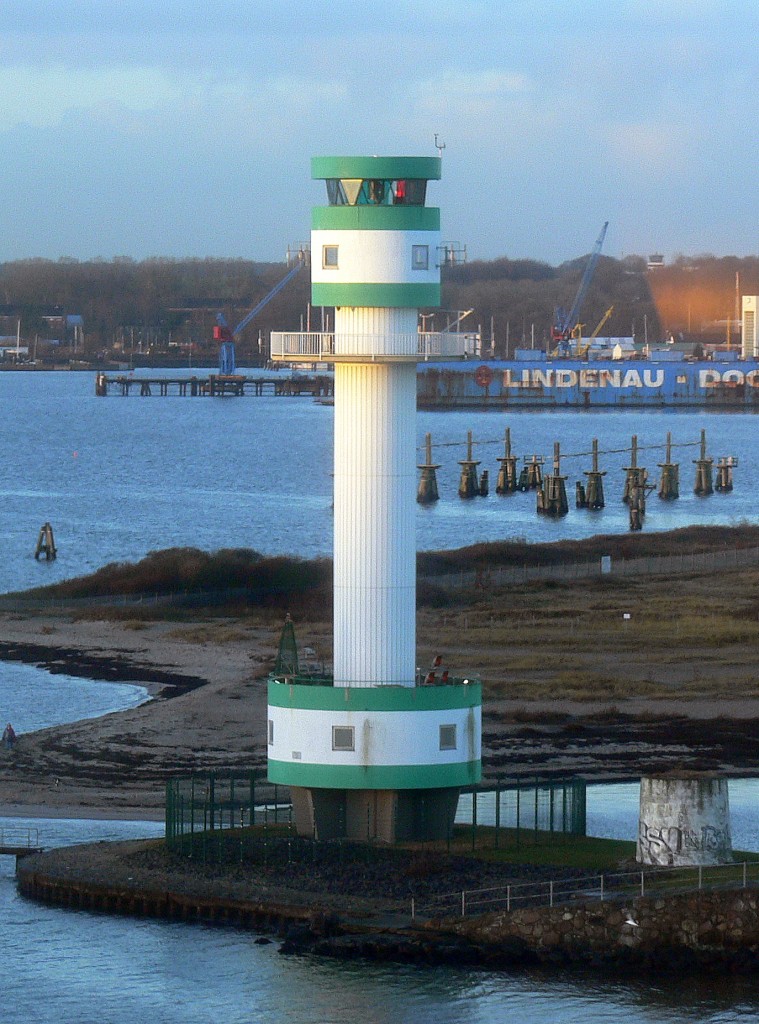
(447, 737)
(343, 737)
(420, 257)
(329, 257)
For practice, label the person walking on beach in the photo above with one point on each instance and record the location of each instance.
(9, 736)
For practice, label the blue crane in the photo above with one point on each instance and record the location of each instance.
(227, 337)
(565, 323)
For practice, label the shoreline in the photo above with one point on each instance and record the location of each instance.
(704, 930)
(624, 708)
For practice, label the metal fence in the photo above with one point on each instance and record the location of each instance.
(598, 887)
(518, 814)
(477, 579)
(661, 565)
(200, 806)
(209, 817)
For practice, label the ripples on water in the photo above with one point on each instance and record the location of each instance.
(118, 477)
(60, 966)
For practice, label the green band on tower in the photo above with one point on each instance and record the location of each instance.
(426, 776)
(375, 218)
(427, 168)
(397, 296)
(375, 698)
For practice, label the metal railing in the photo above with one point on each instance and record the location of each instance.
(17, 837)
(320, 345)
(618, 885)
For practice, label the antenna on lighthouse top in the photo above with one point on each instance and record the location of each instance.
(439, 146)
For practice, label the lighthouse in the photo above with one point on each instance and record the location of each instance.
(378, 750)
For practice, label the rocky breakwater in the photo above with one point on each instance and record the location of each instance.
(718, 929)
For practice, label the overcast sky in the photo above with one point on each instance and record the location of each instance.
(167, 128)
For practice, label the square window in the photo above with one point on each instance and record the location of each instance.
(329, 257)
(271, 732)
(420, 257)
(447, 737)
(343, 737)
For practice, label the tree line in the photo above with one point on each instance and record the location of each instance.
(150, 307)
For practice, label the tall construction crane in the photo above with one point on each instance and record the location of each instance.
(564, 323)
(227, 337)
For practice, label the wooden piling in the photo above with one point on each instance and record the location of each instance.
(531, 477)
(45, 547)
(725, 467)
(428, 492)
(703, 486)
(669, 481)
(593, 492)
(484, 486)
(507, 474)
(552, 496)
(469, 485)
(635, 476)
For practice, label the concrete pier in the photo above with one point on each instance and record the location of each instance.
(684, 820)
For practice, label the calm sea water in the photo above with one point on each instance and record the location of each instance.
(120, 477)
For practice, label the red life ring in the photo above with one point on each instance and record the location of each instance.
(483, 376)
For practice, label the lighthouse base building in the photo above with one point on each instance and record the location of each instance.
(378, 750)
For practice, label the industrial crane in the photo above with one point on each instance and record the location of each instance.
(581, 349)
(564, 323)
(227, 337)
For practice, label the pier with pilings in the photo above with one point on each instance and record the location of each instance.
(215, 385)
(550, 487)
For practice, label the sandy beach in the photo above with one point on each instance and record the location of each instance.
(207, 710)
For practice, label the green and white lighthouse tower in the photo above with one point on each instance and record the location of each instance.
(378, 750)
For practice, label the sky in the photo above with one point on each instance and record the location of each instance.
(146, 128)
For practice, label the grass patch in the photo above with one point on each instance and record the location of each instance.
(546, 849)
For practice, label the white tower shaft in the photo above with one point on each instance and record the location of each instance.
(375, 489)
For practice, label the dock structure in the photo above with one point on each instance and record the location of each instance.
(591, 494)
(469, 485)
(214, 386)
(427, 493)
(703, 486)
(669, 481)
(552, 496)
(507, 474)
(725, 467)
(18, 842)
